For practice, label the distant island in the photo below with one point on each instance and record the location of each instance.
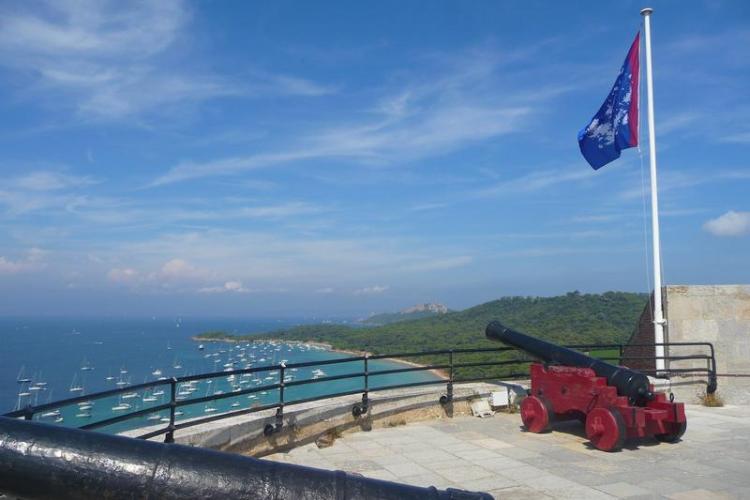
(572, 318)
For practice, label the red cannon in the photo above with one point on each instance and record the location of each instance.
(615, 402)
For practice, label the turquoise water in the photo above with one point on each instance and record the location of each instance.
(58, 355)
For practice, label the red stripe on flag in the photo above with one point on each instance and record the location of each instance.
(635, 73)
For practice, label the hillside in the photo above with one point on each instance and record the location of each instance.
(416, 312)
(572, 318)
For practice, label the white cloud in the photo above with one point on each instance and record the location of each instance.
(50, 181)
(371, 290)
(730, 224)
(32, 261)
(535, 181)
(228, 287)
(421, 118)
(439, 264)
(738, 138)
(115, 60)
(180, 269)
(123, 275)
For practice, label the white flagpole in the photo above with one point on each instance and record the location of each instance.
(658, 314)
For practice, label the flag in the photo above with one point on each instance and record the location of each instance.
(615, 126)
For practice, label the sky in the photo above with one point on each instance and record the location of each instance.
(334, 159)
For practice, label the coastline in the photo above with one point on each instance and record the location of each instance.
(311, 343)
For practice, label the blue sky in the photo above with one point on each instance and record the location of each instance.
(290, 158)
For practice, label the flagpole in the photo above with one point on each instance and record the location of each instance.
(658, 314)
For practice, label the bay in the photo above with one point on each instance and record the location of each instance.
(94, 354)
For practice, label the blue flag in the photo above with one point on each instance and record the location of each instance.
(615, 126)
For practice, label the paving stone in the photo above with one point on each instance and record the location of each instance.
(486, 484)
(462, 473)
(428, 479)
(406, 469)
(518, 493)
(383, 474)
(701, 494)
(622, 490)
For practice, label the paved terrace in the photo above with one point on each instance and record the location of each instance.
(496, 456)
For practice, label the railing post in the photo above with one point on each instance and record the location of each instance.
(28, 412)
(365, 395)
(280, 409)
(169, 436)
(450, 376)
(712, 382)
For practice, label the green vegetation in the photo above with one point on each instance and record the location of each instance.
(388, 318)
(573, 318)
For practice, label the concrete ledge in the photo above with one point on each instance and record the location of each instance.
(331, 418)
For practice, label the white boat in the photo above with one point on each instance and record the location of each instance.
(75, 387)
(86, 366)
(130, 395)
(209, 409)
(159, 392)
(235, 404)
(200, 347)
(85, 405)
(59, 419)
(149, 399)
(83, 415)
(164, 419)
(121, 407)
(21, 379)
(154, 416)
(49, 414)
(156, 373)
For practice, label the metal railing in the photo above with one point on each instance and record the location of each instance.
(517, 369)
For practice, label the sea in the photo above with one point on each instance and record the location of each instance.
(50, 359)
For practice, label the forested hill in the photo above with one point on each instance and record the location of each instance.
(572, 318)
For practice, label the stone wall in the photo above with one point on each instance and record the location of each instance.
(641, 342)
(719, 314)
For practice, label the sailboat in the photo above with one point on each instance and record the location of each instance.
(208, 408)
(121, 406)
(20, 378)
(74, 387)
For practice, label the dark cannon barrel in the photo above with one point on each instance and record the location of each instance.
(46, 461)
(630, 383)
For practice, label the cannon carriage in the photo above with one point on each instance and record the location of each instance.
(614, 402)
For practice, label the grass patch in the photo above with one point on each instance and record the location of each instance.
(713, 400)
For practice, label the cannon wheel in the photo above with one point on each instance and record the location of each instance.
(676, 430)
(605, 428)
(536, 414)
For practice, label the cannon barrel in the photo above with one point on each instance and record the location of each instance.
(46, 461)
(630, 383)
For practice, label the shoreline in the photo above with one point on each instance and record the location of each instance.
(439, 373)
